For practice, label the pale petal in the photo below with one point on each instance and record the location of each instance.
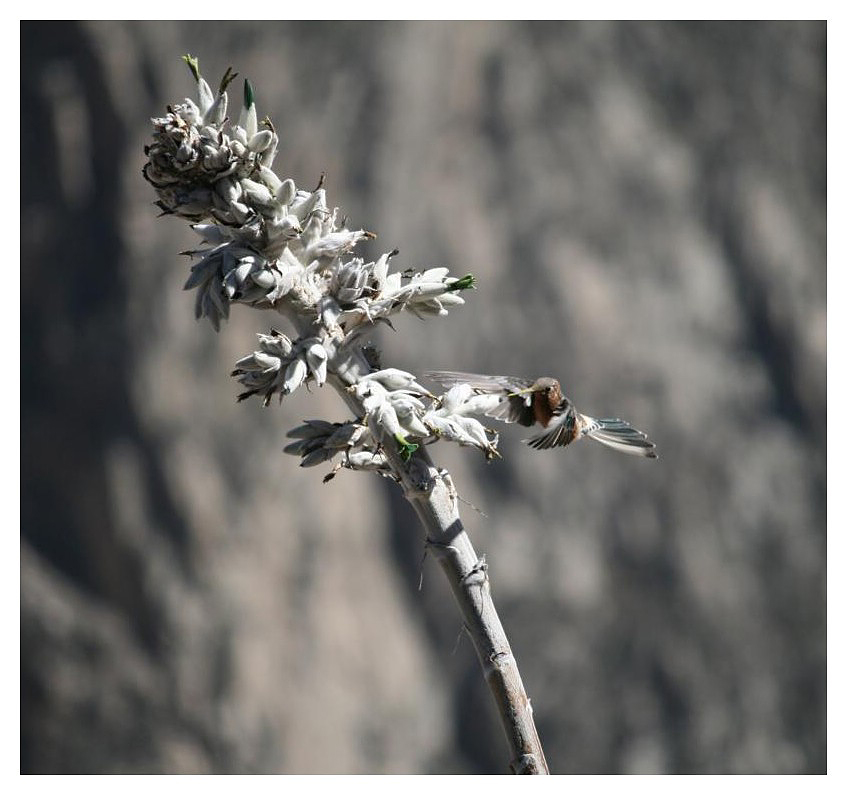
(295, 374)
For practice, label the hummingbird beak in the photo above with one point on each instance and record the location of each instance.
(522, 391)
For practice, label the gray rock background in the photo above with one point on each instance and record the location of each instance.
(644, 206)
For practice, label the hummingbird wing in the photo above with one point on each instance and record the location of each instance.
(563, 429)
(512, 407)
(613, 433)
(483, 383)
(620, 436)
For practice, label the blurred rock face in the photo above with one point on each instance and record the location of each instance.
(644, 207)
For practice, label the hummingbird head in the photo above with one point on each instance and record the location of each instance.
(549, 389)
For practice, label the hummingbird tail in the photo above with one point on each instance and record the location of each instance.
(620, 436)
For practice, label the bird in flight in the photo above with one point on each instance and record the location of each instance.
(541, 401)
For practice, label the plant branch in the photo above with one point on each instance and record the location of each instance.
(271, 246)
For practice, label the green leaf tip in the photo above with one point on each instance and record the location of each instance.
(249, 99)
(193, 65)
(406, 448)
(467, 282)
(228, 77)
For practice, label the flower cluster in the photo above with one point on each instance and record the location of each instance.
(450, 419)
(229, 273)
(319, 440)
(280, 366)
(196, 167)
(394, 401)
(367, 292)
(265, 240)
(269, 245)
(396, 405)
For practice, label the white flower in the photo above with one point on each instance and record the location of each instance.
(248, 119)
(316, 358)
(295, 374)
(427, 293)
(232, 273)
(260, 196)
(454, 398)
(319, 440)
(392, 379)
(349, 281)
(408, 415)
(261, 141)
(281, 366)
(461, 400)
(313, 429)
(466, 431)
(305, 204)
(449, 420)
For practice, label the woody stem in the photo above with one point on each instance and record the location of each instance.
(430, 492)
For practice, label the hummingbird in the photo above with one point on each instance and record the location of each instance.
(541, 401)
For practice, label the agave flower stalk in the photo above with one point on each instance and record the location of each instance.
(267, 244)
